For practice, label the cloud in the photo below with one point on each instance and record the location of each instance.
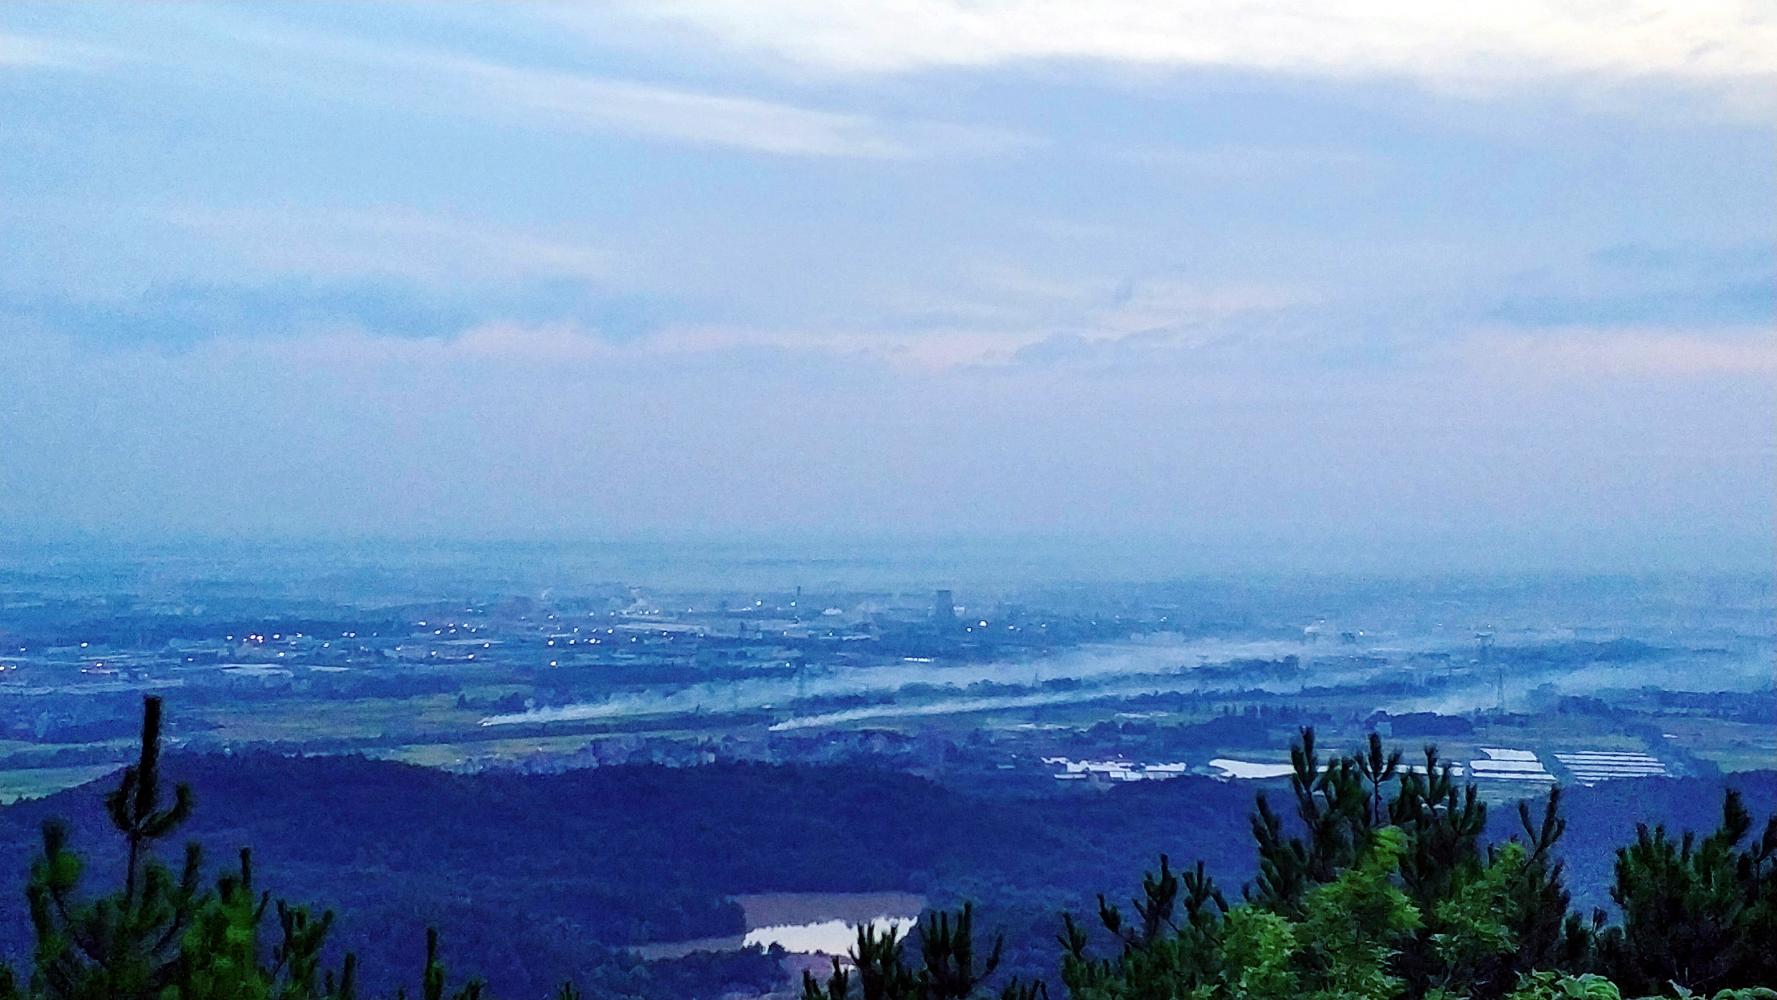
(17, 50)
(1022, 317)
(188, 272)
(555, 345)
(586, 101)
(337, 242)
(1712, 42)
(454, 83)
(1591, 352)
(29, 52)
(1254, 164)
(1648, 286)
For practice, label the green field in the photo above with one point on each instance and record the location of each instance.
(36, 782)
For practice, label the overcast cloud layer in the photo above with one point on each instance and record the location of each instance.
(1392, 283)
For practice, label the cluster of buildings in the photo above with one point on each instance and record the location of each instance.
(1582, 767)
(1113, 771)
(1494, 766)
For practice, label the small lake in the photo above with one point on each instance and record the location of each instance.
(820, 923)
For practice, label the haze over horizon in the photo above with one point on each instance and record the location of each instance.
(1353, 289)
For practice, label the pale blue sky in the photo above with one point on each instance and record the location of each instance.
(1404, 279)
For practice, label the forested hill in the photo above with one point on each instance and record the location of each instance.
(526, 874)
(523, 873)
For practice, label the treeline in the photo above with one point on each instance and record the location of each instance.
(1375, 879)
(1376, 882)
(532, 879)
(168, 932)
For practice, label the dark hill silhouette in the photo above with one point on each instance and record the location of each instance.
(528, 875)
(523, 874)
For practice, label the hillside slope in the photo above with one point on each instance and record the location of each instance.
(528, 875)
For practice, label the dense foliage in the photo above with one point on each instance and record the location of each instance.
(1377, 882)
(1382, 886)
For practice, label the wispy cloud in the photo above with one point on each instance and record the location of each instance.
(1717, 42)
(1659, 353)
(457, 83)
(335, 242)
(31, 52)
(1252, 164)
(1139, 323)
(558, 345)
(16, 50)
(593, 102)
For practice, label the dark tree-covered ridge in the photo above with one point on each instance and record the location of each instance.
(1376, 879)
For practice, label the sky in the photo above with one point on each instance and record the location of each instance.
(1369, 282)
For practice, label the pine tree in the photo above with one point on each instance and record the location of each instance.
(125, 945)
(947, 949)
(432, 979)
(1698, 914)
(1385, 858)
(159, 936)
(948, 968)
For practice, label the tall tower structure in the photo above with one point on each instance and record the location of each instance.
(944, 607)
(1484, 656)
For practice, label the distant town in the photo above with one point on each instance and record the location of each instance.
(1518, 683)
